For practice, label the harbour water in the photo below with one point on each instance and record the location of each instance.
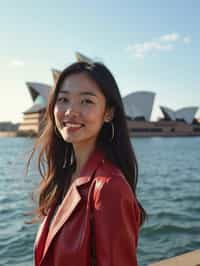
(168, 187)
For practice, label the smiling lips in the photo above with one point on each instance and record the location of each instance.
(72, 125)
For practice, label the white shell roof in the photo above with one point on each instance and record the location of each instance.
(56, 74)
(169, 112)
(36, 89)
(82, 58)
(79, 58)
(186, 113)
(139, 104)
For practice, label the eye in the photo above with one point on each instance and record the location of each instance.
(62, 100)
(86, 101)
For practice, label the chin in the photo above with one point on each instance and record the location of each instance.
(70, 139)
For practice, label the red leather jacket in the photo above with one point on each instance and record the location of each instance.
(103, 193)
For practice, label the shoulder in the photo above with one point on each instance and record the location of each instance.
(113, 196)
(111, 182)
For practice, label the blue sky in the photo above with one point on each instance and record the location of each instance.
(148, 45)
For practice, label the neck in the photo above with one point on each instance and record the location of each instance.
(82, 154)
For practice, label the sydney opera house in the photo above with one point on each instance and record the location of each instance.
(138, 108)
(32, 120)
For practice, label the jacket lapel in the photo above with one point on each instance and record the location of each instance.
(41, 237)
(72, 198)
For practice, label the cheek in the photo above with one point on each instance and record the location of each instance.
(94, 115)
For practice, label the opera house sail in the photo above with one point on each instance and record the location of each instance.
(32, 118)
(139, 105)
(186, 114)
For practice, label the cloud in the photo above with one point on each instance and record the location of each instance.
(170, 37)
(140, 49)
(16, 63)
(164, 43)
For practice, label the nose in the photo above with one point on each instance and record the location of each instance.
(72, 109)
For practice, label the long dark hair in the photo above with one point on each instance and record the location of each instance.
(53, 147)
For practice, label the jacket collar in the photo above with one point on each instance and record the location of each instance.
(70, 201)
(96, 157)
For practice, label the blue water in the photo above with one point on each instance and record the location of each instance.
(168, 189)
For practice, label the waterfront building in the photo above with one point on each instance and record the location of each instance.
(56, 74)
(139, 105)
(79, 58)
(32, 118)
(186, 114)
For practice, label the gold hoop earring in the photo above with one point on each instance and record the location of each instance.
(72, 158)
(65, 159)
(57, 132)
(113, 131)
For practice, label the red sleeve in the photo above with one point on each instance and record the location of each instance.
(116, 223)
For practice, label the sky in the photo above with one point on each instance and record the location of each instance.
(147, 45)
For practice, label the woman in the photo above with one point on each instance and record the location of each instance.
(87, 197)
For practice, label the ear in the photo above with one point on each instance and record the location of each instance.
(109, 114)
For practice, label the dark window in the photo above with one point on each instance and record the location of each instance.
(196, 129)
(146, 129)
(139, 118)
(180, 120)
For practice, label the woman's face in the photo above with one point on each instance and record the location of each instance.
(80, 110)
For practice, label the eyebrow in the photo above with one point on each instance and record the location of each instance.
(82, 93)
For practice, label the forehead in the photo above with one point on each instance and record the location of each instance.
(78, 83)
